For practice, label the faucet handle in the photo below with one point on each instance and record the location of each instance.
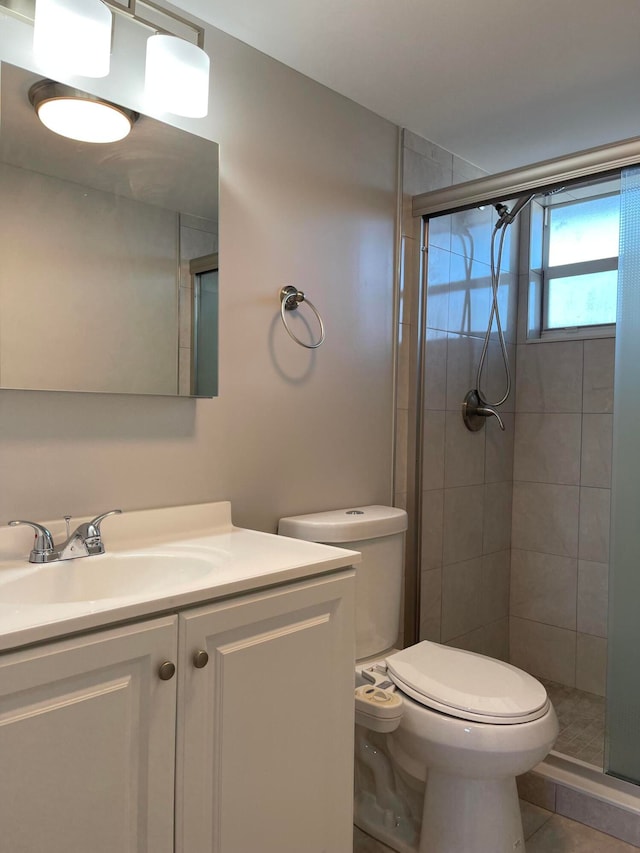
(43, 544)
(91, 534)
(97, 521)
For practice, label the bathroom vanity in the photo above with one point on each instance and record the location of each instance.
(210, 712)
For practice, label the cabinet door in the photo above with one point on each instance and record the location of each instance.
(265, 729)
(87, 743)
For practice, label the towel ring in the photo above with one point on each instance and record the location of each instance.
(290, 298)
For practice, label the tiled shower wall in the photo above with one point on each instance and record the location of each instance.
(561, 505)
(514, 536)
(554, 457)
(467, 477)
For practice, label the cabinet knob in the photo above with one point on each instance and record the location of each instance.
(200, 659)
(167, 670)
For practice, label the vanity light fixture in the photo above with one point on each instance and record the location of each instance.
(177, 76)
(73, 37)
(78, 115)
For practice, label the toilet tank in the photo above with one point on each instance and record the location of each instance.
(378, 533)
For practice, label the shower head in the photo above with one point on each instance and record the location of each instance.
(522, 202)
(507, 216)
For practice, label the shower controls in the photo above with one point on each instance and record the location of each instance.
(475, 413)
(476, 406)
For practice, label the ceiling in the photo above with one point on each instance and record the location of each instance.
(501, 83)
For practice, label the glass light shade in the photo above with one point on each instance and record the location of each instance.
(72, 37)
(78, 115)
(177, 76)
(87, 121)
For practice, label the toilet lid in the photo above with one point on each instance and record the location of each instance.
(467, 685)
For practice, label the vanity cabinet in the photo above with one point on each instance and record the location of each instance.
(265, 729)
(86, 745)
(248, 748)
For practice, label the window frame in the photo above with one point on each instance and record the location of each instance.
(541, 330)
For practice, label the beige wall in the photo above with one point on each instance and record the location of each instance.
(308, 197)
(86, 274)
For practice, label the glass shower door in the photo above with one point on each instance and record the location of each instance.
(622, 752)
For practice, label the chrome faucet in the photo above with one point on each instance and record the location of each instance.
(85, 541)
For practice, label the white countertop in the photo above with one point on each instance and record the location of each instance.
(241, 561)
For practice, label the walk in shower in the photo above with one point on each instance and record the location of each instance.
(511, 527)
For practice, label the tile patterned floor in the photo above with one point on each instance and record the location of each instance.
(581, 717)
(544, 832)
(561, 835)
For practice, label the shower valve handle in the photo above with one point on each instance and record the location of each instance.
(475, 412)
(489, 411)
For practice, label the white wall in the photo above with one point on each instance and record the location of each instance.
(307, 196)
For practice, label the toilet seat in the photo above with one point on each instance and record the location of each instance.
(467, 685)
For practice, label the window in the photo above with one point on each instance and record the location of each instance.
(579, 274)
(580, 271)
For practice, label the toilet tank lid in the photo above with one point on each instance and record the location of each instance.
(353, 524)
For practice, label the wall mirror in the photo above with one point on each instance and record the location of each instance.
(108, 256)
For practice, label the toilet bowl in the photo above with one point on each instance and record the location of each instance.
(470, 725)
(441, 733)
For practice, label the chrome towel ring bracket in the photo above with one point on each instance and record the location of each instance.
(290, 299)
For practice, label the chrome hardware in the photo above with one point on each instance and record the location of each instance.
(290, 299)
(475, 413)
(167, 670)
(200, 659)
(85, 541)
(43, 548)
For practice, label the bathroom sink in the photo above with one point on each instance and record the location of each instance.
(105, 576)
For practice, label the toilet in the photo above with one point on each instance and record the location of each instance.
(441, 733)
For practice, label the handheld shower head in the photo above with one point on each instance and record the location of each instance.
(521, 203)
(507, 216)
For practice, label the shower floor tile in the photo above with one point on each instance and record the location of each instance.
(581, 718)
